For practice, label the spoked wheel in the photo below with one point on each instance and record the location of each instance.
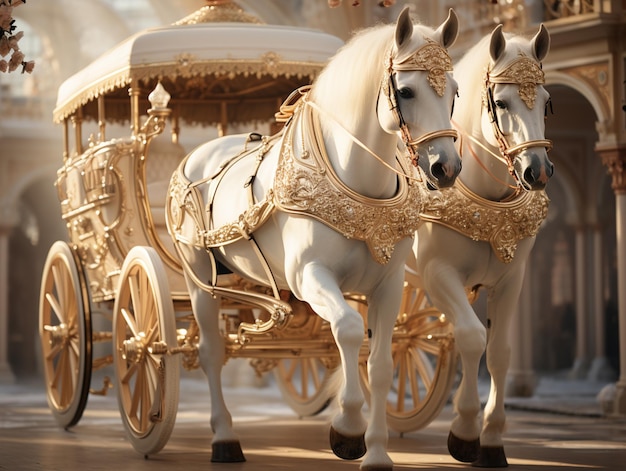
(305, 384)
(65, 333)
(424, 363)
(144, 327)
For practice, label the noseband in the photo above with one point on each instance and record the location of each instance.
(431, 58)
(527, 74)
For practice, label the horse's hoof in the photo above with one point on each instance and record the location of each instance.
(227, 452)
(491, 457)
(465, 451)
(347, 448)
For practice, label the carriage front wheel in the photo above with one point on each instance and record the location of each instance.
(65, 334)
(424, 363)
(144, 326)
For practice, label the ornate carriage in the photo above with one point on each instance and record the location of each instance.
(216, 68)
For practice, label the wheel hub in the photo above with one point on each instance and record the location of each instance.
(134, 348)
(59, 334)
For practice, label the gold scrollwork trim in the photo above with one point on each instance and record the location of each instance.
(187, 66)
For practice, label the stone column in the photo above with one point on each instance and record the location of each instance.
(600, 369)
(521, 379)
(579, 369)
(615, 161)
(6, 375)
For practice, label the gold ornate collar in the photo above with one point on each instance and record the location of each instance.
(502, 224)
(306, 185)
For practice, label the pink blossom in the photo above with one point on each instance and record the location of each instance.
(13, 40)
(4, 46)
(28, 66)
(5, 16)
(16, 60)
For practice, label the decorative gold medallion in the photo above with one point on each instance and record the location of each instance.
(524, 72)
(431, 57)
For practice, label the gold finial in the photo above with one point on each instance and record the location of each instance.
(219, 11)
(434, 59)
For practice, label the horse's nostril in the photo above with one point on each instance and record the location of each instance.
(529, 176)
(438, 171)
(550, 170)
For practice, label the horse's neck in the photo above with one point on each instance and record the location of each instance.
(357, 165)
(483, 173)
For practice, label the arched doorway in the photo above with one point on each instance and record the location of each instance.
(564, 261)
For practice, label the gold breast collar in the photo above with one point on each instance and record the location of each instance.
(502, 224)
(307, 184)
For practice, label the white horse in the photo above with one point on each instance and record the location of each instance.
(480, 232)
(328, 209)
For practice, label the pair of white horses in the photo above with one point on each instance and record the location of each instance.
(329, 207)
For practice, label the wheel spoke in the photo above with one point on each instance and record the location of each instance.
(54, 351)
(130, 322)
(424, 369)
(401, 382)
(135, 301)
(126, 379)
(55, 308)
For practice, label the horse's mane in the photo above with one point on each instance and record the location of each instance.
(349, 84)
(469, 73)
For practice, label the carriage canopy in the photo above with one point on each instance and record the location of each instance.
(219, 64)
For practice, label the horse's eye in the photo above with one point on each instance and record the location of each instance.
(405, 93)
(501, 104)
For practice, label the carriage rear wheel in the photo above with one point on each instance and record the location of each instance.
(424, 363)
(144, 326)
(65, 334)
(305, 384)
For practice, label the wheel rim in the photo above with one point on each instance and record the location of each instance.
(136, 332)
(304, 383)
(65, 334)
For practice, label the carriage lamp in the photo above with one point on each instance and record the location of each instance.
(159, 97)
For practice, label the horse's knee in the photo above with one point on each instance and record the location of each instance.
(349, 330)
(471, 341)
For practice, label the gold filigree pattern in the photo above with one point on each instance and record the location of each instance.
(434, 59)
(188, 202)
(502, 224)
(306, 188)
(524, 72)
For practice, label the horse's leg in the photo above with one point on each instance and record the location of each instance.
(448, 293)
(212, 355)
(319, 288)
(500, 306)
(382, 312)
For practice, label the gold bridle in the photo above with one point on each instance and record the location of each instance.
(527, 74)
(431, 58)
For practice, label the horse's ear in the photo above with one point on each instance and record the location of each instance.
(541, 43)
(449, 29)
(404, 27)
(497, 44)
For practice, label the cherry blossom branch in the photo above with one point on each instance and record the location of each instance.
(9, 41)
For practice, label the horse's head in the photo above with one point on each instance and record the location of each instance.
(417, 94)
(514, 106)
